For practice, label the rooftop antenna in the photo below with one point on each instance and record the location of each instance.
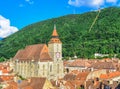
(95, 19)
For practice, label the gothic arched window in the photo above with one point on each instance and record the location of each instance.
(43, 69)
(50, 68)
(57, 68)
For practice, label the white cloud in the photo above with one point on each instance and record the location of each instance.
(5, 28)
(29, 1)
(96, 3)
(76, 3)
(111, 1)
(90, 3)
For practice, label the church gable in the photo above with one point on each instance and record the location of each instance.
(44, 55)
(45, 49)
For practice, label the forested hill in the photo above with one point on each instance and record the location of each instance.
(74, 33)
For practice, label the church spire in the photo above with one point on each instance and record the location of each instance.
(55, 46)
(54, 34)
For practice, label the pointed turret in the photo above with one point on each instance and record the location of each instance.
(55, 36)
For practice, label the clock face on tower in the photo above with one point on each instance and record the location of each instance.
(57, 54)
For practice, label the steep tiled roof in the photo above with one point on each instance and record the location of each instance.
(1, 80)
(75, 84)
(5, 68)
(12, 85)
(69, 76)
(82, 76)
(97, 85)
(23, 84)
(103, 65)
(66, 63)
(76, 72)
(54, 32)
(55, 37)
(6, 77)
(110, 75)
(38, 52)
(28, 87)
(79, 63)
(34, 83)
(45, 57)
(74, 81)
(69, 85)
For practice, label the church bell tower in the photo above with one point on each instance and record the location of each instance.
(55, 46)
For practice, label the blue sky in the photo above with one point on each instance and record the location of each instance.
(20, 13)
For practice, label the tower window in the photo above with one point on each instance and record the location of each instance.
(43, 69)
(57, 68)
(50, 68)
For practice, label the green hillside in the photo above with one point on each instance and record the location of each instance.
(74, 34)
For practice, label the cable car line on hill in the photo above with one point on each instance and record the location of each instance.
(95, 19)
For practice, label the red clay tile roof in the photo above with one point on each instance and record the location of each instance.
(82, 76)
(12, 85)
(28, 87)
(5, 68)
(69, 76)
(54, 32)
(65, 63)
(34, 83)
(37, 52)
(79, 63)
(103, 65)
(45, 57)
(75, 80)
(69, 85)
(23, 84)
(96, 85)
(55, 37)
(6, 77)
(1, 80)
(110, 75)
(75, 72)
(75, 84)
